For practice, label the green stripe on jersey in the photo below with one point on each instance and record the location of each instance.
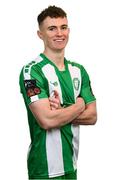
(67, 137)
(37, 158)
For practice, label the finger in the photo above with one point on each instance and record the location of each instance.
(56, 95)
(54, 105)
(54, 100)
(52, 108)
(50, 98)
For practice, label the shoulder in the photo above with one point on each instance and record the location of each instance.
(34, 65)
(75, 64)
(78, 67)
(29, 70)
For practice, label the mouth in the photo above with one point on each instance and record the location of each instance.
(59, 40)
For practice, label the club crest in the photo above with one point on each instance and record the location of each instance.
(76, 83)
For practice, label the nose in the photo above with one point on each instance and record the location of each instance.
(59, 32)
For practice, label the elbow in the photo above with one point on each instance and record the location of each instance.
(94, 119)
(45, 124)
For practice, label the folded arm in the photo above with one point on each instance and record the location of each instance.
(87, 117)
(48, 118)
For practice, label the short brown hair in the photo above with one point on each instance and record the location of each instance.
(51, 11)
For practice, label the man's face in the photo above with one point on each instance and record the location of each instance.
(55, 33)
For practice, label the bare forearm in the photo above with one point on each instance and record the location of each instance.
(48, 118)
(63, 116)
(87, 117)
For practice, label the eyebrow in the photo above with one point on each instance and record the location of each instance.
(63, 25)
(51, 27)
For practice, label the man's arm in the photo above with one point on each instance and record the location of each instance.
(88, 116)
(47, 118)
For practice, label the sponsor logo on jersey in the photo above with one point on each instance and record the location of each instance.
(76, 83)
(31, 87)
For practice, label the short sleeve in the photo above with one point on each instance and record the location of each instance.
(86, 90)
(32, 85)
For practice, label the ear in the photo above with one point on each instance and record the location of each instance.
(40, 35)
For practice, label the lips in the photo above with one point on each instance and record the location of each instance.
(59, 40)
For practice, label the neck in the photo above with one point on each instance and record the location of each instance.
(56, 57)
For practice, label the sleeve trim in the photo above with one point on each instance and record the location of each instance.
(90, 102)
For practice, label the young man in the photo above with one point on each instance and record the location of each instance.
(58, 98)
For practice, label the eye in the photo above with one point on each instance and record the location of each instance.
(64, 27)
(52, 28)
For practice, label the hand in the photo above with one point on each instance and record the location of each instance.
(81, 103)
(55, 101)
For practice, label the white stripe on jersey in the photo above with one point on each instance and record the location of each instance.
(75, 142)
(54, 153)
(53, 137)
(52, 78)
(75, 73)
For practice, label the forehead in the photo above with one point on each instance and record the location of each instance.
(54, 21)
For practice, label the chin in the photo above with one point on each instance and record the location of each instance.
(60, 46)
(59, 49)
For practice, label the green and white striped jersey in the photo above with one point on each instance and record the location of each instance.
(53, 152)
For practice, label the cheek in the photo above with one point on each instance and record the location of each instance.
(66, 34)
(49, 41)
(49, 37)
(67, 37)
